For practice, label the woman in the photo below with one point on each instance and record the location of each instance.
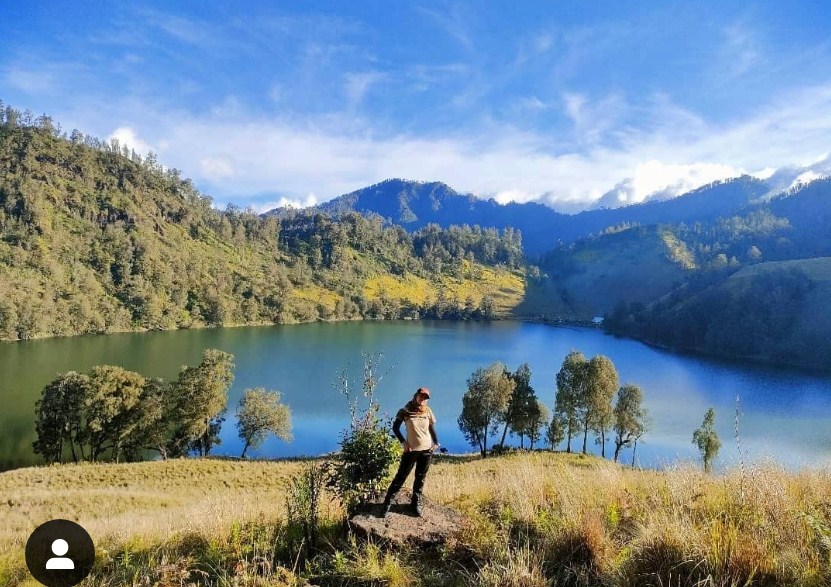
(418, 447)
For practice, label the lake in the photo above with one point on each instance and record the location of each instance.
(784, 415)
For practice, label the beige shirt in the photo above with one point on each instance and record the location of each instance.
(418, 429)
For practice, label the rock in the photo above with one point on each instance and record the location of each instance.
(401, 525)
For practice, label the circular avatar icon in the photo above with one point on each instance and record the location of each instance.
(60, 553)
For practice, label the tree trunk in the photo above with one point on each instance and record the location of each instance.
(245, 448)
(585, 436)
(618, 446)
(634, 449)
(504, 432)
(603, 443)
(568, 444)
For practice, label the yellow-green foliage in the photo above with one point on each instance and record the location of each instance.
(535, 519)
(506, 287)
(410, 288)
(677, 250)
(317, 295)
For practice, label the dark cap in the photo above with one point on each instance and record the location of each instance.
(423, 390)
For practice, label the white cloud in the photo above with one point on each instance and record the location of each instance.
(303, 202)
(740, 50)
(217, 168)
(127, 136)
(240, 156)
(806, 178)
(532, 104)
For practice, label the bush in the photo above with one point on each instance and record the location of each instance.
(368, 451)
(305, 495)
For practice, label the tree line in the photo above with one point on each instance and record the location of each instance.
(112, 414)
(497, 398)
(588, 399)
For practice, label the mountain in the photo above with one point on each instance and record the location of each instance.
(413, 205)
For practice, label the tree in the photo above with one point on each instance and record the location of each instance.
(707, 440)
(485, 404)
(601, 384)
(571, 381)
(630, 418)
(259, 414)
(521, 405)
(536, 423)
(111, 408)
(152, 431)
(199, 397)
(58, 417)
(556, 431)
(107, 412)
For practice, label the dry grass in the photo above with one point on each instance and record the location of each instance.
(142, 502)
(536, 519)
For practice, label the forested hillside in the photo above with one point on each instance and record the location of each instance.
(754, 286)
(776, 312)
(95, 238)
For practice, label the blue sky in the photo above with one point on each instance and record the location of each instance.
(264, 103)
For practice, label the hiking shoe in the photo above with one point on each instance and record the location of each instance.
(385, 509)
(418, 510)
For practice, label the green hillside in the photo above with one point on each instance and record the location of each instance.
(95, 239)
(775, 312)
(630, 266)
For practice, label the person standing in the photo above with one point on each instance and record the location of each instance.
(418, 447)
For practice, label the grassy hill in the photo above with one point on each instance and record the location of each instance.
(534, 520)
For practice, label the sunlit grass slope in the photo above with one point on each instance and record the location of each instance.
(535, 519)
(506, 287)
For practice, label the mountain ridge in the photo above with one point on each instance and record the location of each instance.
(414, 204)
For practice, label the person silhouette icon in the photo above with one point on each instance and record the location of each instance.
(59, 561)
(59, 553)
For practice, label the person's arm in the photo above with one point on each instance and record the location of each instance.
(434, 436)
(396, 429)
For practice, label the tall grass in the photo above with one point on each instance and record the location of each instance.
(534, 519)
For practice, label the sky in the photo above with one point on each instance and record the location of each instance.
(571, 103)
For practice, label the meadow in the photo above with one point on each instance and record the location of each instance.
(533, 519)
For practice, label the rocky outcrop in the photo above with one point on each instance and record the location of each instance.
(437, 524)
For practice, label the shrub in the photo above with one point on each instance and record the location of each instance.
(305, 495)
(368, 451)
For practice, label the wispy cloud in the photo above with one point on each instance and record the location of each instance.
(30, 81)
(741, 51)
(454, 22)
(186, 30)
(358, 84)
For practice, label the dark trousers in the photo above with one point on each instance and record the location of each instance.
(421, 460)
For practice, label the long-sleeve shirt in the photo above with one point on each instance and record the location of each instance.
(421, 432)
